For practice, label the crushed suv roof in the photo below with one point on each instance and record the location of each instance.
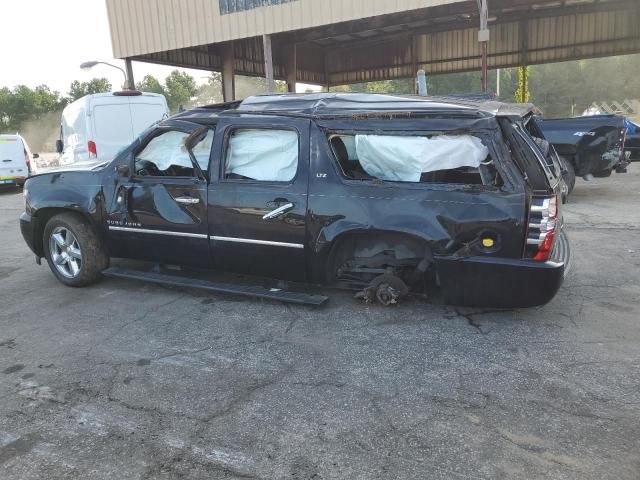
(341, 104)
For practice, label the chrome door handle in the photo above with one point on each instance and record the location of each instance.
(278, 211)
(187, 200)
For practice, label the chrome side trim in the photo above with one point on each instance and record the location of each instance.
(158, 232)
(198, 235)
(257, 242)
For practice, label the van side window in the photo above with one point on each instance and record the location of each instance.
(165, 156)
(266, 155)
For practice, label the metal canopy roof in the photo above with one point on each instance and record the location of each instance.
(348, 41)
(143, 27)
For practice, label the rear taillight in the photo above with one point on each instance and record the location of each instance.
(93, 151)
(543, 222)
(27, 160)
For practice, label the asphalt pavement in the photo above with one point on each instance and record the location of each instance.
(126, 380)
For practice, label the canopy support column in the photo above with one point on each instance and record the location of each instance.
(130, 84)
(228, 73)
(268, 63)
(291, 67)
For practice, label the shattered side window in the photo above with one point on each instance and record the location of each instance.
(463, 159)
(165, 156)
(267, 155)
(202, 150)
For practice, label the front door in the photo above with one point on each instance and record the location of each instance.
(161, 210)
(258, 201)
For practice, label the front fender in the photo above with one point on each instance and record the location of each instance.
(49, 194)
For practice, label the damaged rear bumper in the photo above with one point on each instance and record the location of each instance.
(503, 282)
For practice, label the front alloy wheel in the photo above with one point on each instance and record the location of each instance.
(75, 253)
(65, 251)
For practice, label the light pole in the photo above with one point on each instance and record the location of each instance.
(89, 65)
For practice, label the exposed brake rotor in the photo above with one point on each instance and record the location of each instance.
(387, 289)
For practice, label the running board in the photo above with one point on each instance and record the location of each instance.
(248, 291)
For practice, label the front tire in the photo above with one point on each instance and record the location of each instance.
(75, 254)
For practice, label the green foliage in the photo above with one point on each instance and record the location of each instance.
(563, 89)
(150, 84)
(80, 89)
(523, 94)
(508, 83)
(558, 89)
(179, 89)
(402, 86)
(21, 104)
(211, 92)
(247, 86)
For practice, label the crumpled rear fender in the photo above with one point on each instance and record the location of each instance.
(444, 218)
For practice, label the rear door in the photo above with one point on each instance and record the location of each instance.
(13, 165)
(258, 202)
(112, 126)
(160, 212)
(146, 111)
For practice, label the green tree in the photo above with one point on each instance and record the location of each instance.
(22, 104)
(563, 89)
(150, 84)
(80, 89)
(179, 89)
(211, 92)
(47, 101)
(523, 93)
(5, 95)
(98, 85)
(77, 90)
(247, 86)
(402, 86)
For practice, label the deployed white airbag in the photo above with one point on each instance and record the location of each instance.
(406, 158)
(266, 155)
(166, 150)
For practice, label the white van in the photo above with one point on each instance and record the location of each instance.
(96, 127)
(15, 160)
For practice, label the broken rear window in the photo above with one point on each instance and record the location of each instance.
(462, 159)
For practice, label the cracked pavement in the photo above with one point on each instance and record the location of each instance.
(131, 380)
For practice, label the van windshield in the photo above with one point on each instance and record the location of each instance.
(10, 149)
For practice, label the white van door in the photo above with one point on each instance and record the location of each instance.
(146, 113)
(112, 128)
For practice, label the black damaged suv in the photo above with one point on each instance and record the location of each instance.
(378, 192)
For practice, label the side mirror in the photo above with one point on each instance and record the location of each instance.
(59, 146)
(123, 170)
(36, 156)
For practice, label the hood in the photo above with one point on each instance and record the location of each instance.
(77, 167)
